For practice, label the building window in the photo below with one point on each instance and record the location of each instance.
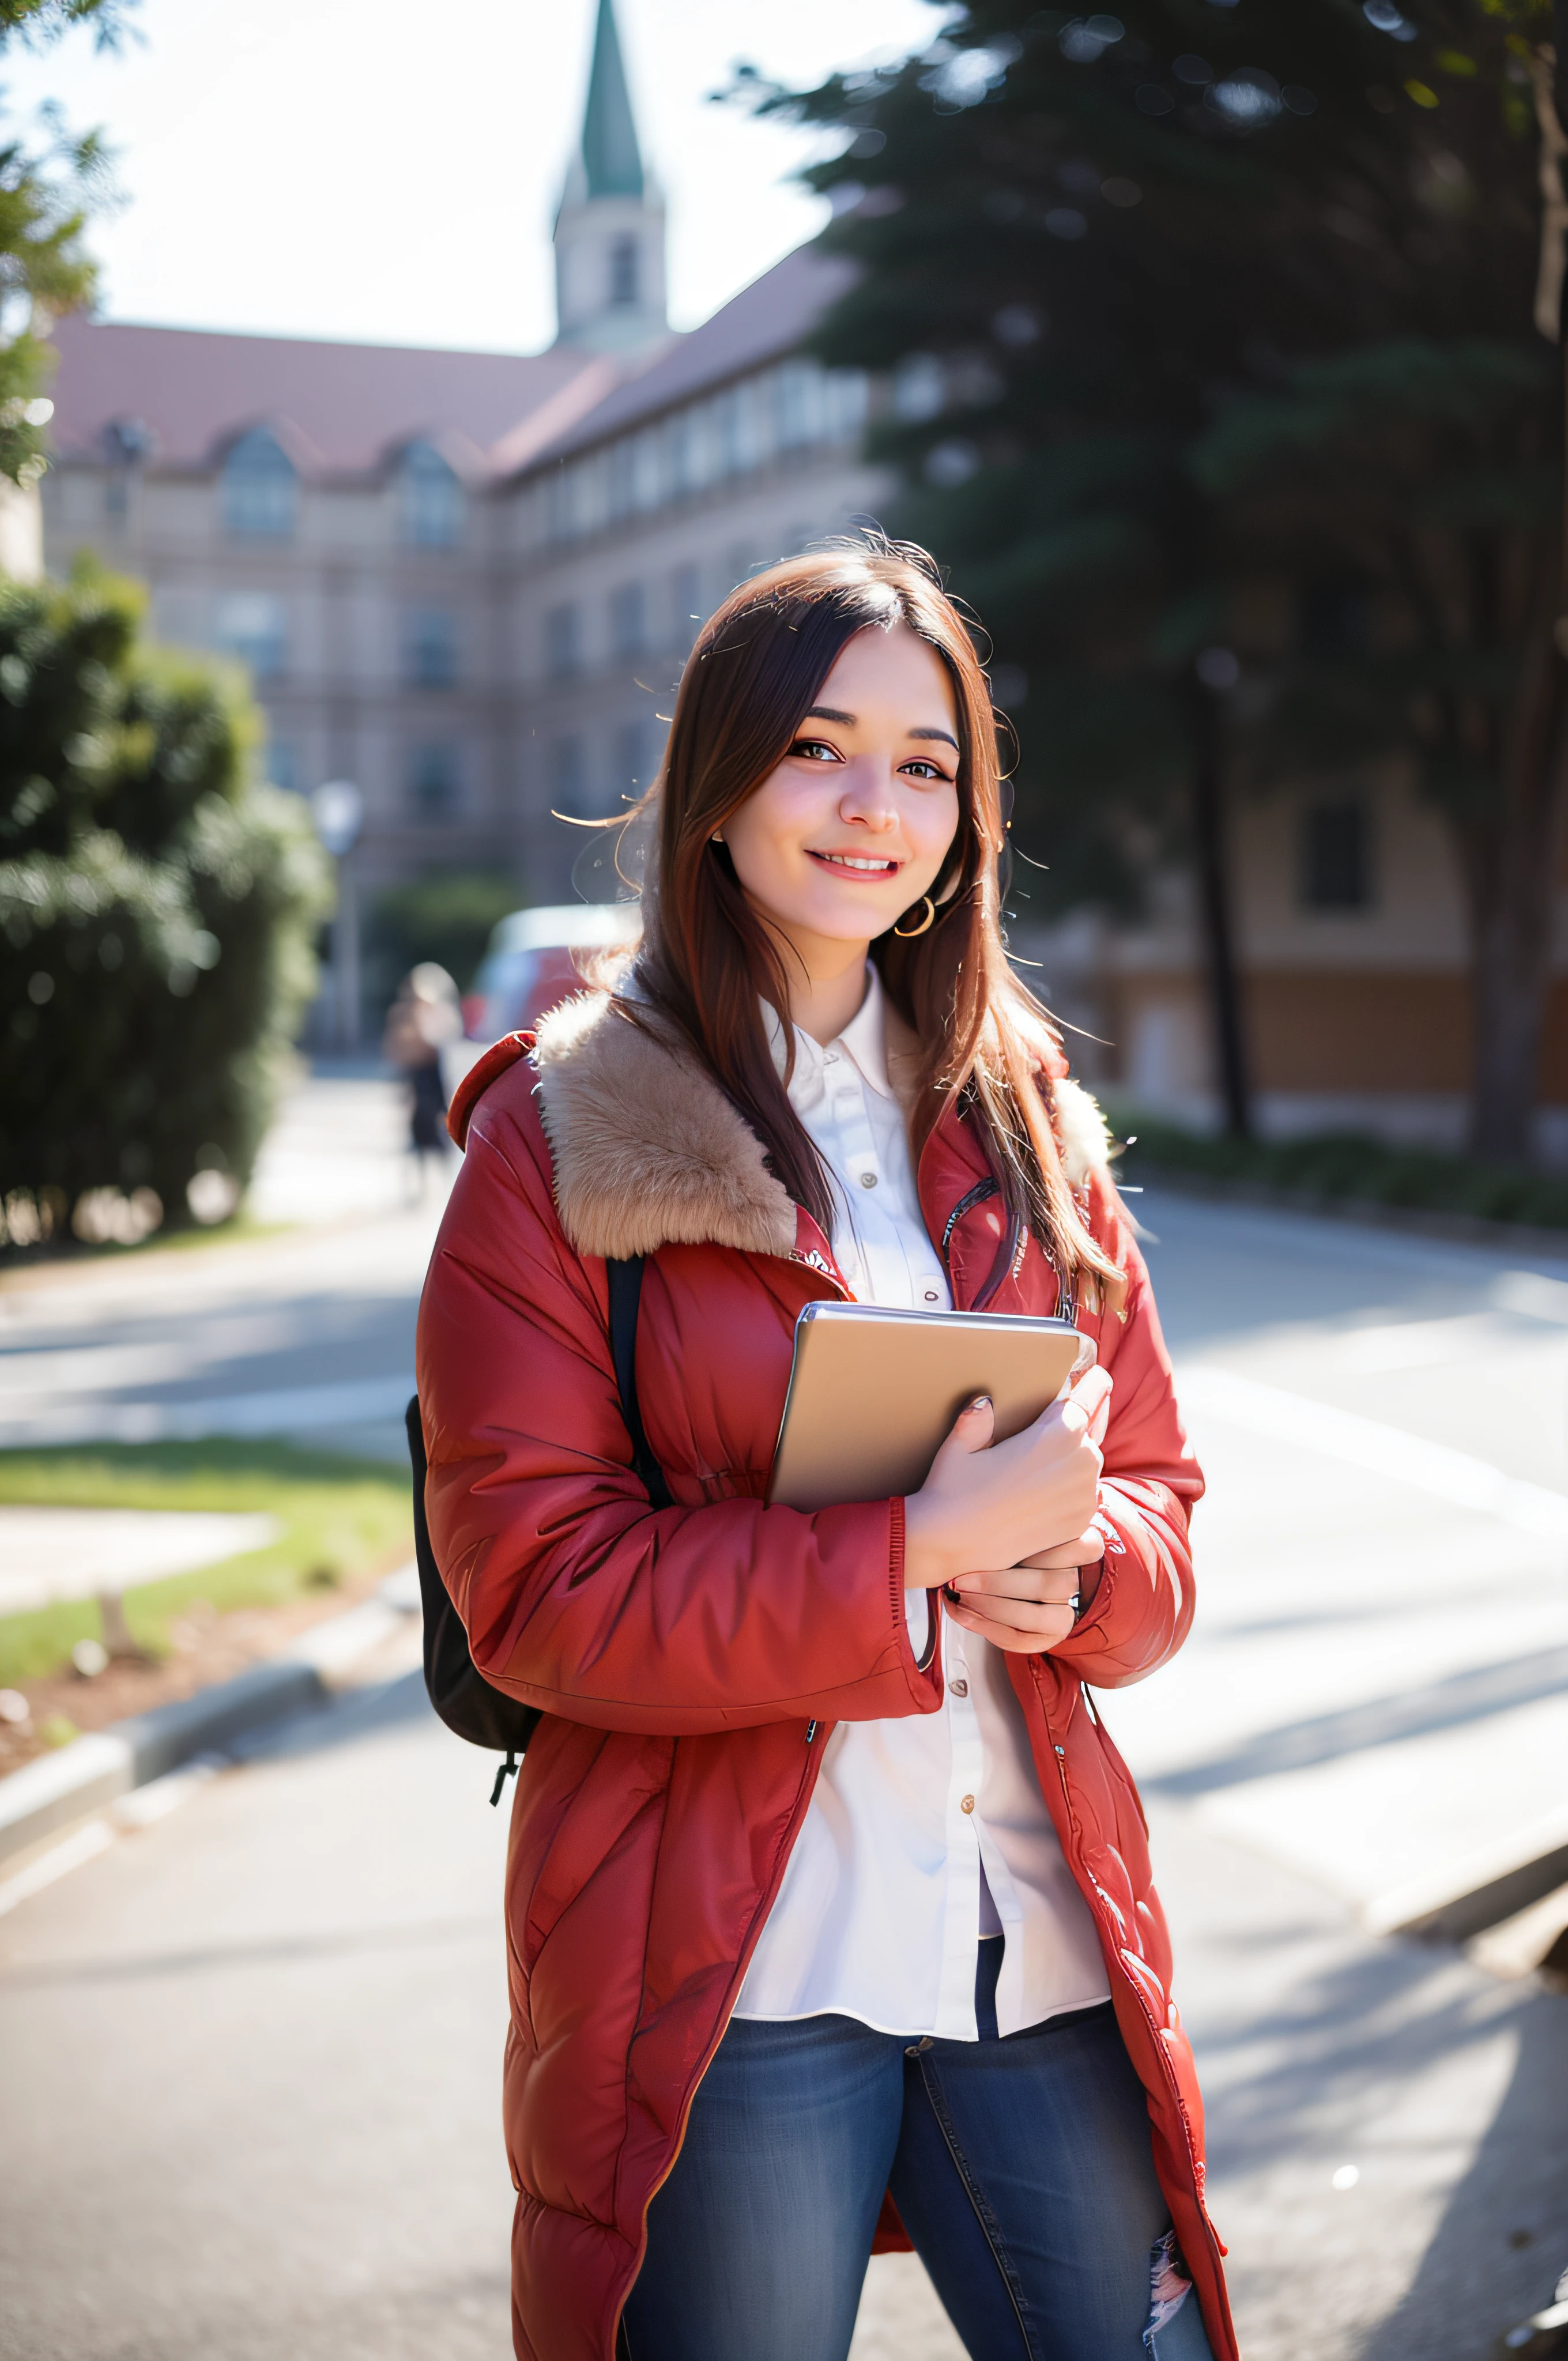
(1336, 856)
(430, 499)
(686, 599)
(563, 643)
(252, 627)
(567, 777)
(797, 405)
(430, 648)
(624, 274)
(848, 399)
(735, 430)
(435, 779)
(562, 504)
(622, 478)
(685, 451)
(260, 489)
(637, 750)
(628, 620)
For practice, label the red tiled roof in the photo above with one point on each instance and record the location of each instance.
(345, 409)
(763, 322)
(347, 405)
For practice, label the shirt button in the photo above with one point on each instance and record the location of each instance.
(967, 1803)
(932, 1296)
(831, 1059)
(960, 1688)
(868, 1180)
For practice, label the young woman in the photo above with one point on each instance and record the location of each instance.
(828, 1902)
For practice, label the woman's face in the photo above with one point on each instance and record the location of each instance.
(854, 825)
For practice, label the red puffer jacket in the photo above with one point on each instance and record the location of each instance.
(691, 1662)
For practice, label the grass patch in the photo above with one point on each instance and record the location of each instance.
(1344, 1166)
(339, 1518)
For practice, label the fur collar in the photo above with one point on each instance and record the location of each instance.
(648, 1151)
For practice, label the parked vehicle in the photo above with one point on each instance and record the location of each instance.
(533, 962)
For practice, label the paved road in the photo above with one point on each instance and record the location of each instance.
(308, 1331)
(251, 2107)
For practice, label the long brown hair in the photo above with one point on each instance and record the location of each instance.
(707, 961)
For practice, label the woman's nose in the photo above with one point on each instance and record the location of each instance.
(868, 795)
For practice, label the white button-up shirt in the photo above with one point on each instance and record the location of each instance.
(925, 1832)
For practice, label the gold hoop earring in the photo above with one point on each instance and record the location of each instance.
(907, 934)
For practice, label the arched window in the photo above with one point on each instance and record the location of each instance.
(431, 502)
(260, 489)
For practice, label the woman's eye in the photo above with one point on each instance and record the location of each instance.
(815, 750)
(921, 769)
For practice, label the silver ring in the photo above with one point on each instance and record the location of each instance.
(1076, 1603)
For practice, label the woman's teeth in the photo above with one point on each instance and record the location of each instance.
(853, 861)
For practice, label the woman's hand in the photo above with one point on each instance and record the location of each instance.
(1029, 1607)
(995, 1504)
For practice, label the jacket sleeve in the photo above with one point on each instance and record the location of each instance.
(576, 1595)
(1150, 1482)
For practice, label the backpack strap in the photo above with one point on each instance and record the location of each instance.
(625, 1296)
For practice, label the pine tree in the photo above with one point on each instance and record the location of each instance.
(1135, 279)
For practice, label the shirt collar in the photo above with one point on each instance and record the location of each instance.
(862, 1041)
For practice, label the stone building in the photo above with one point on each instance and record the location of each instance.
(466, 580)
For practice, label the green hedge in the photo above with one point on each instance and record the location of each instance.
(1344, 1166)
(157, 903)
(448, 917)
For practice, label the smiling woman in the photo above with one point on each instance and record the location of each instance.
(831, 1917)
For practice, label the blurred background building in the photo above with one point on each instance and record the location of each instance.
(466, 580)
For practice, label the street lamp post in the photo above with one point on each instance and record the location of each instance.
(337, 809)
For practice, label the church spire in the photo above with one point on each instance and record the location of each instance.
(609, 232)
(612, 163)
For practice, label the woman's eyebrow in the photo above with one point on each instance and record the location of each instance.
(831, 713)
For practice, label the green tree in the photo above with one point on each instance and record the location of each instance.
(158, 906)
(1113, 264)
(44, 267)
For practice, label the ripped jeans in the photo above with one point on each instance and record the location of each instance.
(1021, 2169)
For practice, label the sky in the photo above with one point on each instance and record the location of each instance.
(387, 171)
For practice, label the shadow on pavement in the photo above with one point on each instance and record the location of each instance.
(1503, 2239)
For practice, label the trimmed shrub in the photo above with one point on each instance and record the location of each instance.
(158, 904)
(1344, 1167)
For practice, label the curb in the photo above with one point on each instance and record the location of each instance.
(59, 1789)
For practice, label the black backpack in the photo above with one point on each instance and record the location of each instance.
(465, 1701)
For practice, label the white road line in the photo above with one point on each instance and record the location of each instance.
(1431, 1467)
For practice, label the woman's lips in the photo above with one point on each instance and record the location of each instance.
(871, 866)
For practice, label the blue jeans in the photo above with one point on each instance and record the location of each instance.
(1021, 2169)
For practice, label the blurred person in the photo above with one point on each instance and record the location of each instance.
(830, 1918)
(425, 1018)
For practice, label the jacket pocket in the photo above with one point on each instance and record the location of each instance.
(625, 1772)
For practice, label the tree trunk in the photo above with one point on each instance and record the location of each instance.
(1508, 861)
(1206, 726)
